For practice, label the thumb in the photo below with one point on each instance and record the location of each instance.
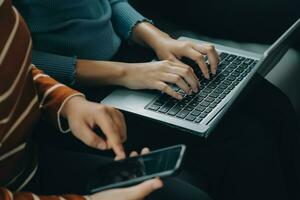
(142, 190)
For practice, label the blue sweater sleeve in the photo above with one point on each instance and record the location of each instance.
(62, 68)
(125, 17)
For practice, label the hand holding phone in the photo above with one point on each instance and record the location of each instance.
(130, 171)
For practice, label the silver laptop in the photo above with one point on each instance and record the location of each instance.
(200, 113)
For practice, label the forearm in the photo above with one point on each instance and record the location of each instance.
(148, 35)
(91, 73)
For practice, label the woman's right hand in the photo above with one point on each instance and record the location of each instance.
(137, 192)
(156, 75)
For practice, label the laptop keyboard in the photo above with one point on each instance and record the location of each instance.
(194, 108)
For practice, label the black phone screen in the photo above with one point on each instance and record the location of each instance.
(131, 168)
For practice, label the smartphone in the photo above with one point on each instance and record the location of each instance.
(130, 171)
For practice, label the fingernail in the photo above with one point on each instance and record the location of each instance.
(179, 97)
(196, 90)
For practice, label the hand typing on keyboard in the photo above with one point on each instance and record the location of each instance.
(175, 50)
(194, 108)
(160, 75)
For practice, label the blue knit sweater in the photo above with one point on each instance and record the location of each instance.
(64, 30)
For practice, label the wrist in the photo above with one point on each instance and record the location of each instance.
(71, 104)
(147, 34)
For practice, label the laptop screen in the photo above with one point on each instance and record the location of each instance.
(278, 49)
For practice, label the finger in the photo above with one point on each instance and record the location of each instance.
(133, 154)
(167, 89)
(142, 190)
(199, 59)
(119, 119)
(189, 75)
(186, 66)
(211, 53)
(87, 136)
(176, 79)
(145, 151)
(113, 136)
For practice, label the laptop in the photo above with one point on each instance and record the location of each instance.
(200, 113)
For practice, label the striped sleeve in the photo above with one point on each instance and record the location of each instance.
(52, 97)
(5, 194)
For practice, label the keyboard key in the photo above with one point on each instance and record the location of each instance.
(241, 58)
(203, 94)
(182, 114)
(228, 70)
(158, 103)
(218, 90)
(209, 99)
(226, 91)
(231, 57)
(193, 104)
(253, 65)
(222, 86)
(200, 108)
(235, 83)
(207, 90)
(233, 66)
(198, 99)
(204, 103)
(239, 78)
(244, 74)
(236, 74)
(190, 118)
(214, 95)
(213, 105)
(174, 110)
(222, 96)
(225, 63)
(212, 86)
(218, 101)
(244, 66)
(196, 112)
(231, 78)
(237, 62)
(203, 115)
(189, 108)
(231, 87)
(223, 55)
(248, 61)
(154, 107)
(239, 70)
(199, 119)
(227, 82)
(208, 110)
(166, 107)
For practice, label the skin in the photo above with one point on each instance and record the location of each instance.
(83, 116)
(156, 75)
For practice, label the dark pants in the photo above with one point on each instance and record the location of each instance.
(252, 154)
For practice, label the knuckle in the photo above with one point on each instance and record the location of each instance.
(177, 79)
(164, 88)
(186, 44)
(187, 71)
(210, 47)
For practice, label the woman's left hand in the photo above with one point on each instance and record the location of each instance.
(167, 48)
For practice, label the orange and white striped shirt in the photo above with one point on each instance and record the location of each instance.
(25, 92)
